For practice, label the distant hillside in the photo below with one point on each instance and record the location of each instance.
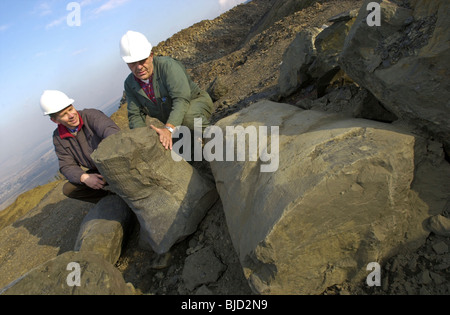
(41, 168)
(24, 203)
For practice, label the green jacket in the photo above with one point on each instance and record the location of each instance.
(173, 89)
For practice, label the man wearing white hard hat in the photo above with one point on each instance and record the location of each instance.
(78, 134)
(160, 88)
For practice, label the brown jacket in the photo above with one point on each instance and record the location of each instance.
(75, 151)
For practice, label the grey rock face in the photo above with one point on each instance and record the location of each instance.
(103, 229)
(405, 61)
(169, 198)
(340, 199)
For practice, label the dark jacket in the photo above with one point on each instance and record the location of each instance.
(174, 91)
(75, 151)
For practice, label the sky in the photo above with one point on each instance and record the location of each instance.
(73, 46)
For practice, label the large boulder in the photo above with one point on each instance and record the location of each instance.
(340, 199)
(405, 61)
(169, 198)
(72, 273)
(313, 56)
(104, 228)
(297, 59)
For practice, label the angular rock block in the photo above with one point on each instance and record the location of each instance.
(202, 267)
(296, 60)
(72, 273)
(169, 198)
(104, 227)
(340, 199)
(405, 61)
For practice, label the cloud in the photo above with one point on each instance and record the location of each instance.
(56, 22)
(108, 5)
(44, 9)
(228, 4)
(79, 52)
(41, 54)
(69, 9)
(86, 2)
(4, 27)
(111, 4)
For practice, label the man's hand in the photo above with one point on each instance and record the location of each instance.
(94, 181)
(165, 136)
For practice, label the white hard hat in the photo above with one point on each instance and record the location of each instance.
(134, 47)
(53, 101)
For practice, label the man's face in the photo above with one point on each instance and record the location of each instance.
(67, 117)
(142, 69)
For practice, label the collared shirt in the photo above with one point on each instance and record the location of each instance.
(65, 132)
(148, 88)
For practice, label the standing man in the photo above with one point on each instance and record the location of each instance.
(78, 134)
(161, 88)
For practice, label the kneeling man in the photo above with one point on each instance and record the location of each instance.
(78, 134)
